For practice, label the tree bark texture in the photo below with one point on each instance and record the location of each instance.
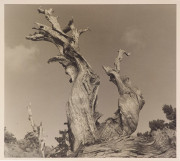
(161, 145)
(130, 102)
(82, 117)
(81, 110)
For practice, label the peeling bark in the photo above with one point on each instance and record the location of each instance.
(81, 112)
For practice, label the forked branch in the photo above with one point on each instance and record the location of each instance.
(114, 73)
(56, 34)
(52, 19)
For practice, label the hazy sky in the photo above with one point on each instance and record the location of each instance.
(147, 31)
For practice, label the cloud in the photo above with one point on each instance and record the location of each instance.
(133, 37)
(21, 59)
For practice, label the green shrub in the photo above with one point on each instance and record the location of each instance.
(156, 124)
(9, 137)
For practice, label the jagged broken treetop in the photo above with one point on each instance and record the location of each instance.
(56, 34)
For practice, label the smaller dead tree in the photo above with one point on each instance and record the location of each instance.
(130, 102)
(38, 131)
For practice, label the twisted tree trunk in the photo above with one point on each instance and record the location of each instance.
(81, 111)
(82, 116)
(130, 102)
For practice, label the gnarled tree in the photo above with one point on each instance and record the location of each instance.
(82, 117)
(81, 111)
(130, 102)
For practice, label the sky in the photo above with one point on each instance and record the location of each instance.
(148, 32)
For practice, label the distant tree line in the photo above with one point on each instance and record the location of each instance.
(170, 115)
(29, 143)
(154, 125)
(9, 137)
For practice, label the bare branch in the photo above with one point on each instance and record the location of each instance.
(114, 73)
(75, 33)
(71, 24)
(41, 140)
(39, 37)
(51, 33)
(52, 19)
(37, 130)
(35, 37)
(81, 31)
(34, 127)
(109, 70)
(68, 28)
(119, 59)
(61, 59)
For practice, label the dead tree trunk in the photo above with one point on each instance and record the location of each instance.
(81, 111)
(82, 116)
(38, 131)
(130, 102)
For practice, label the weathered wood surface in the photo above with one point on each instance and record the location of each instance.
(130, 102)
(81, 110)
(113, 135)
(82, 117)
(162, 145)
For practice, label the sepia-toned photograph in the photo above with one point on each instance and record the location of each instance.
(90, 81)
